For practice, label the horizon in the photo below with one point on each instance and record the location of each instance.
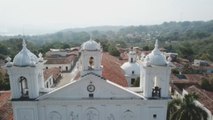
(36, 17)
(85, 27)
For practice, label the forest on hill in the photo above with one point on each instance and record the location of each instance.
(189, 39)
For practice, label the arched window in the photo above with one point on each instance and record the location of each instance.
(131, 60)
(91, 63)
(24, 86)
(156, 90)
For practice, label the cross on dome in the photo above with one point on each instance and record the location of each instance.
(156, 44)
(24, 43)
(156, 57)
(25, 57)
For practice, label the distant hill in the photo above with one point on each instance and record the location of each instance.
(168, 31)
(95, 28)
(189, 39)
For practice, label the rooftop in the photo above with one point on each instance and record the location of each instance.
(112, 70)
(187, 78)
(204, 97)
(5, 106)
(55, 72)
(61, 60)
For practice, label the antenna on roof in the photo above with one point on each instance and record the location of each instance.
(90, 36)
(23, 40)
(156, 43)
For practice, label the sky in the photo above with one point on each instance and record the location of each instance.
(46, 16)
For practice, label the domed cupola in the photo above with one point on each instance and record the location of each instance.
(156, 57)
(91, 45)
(91, 57)
(131, 68)
(25, 57)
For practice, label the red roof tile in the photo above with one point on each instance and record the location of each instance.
(5, 106)
(77, 76)
(204, 97)
(124, 56)
(112, 70)
(61, 60)
(190, 78)
(55, 71)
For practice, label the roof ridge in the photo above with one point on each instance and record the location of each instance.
(203, 93)
(94, 75)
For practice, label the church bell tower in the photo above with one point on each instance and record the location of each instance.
(25, 74)
(91, 56)
(155, 75)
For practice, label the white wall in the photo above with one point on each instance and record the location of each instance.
(102, 110)
(63, 66)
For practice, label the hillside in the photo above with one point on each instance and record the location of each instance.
(189, 39)
(168, 31)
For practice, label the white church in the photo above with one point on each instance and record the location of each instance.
(92, 97)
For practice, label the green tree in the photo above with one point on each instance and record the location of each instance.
(185, 50)
(186, 109)
(146, 48)
(207, 84)
(113, 50)
(65, 46)
(4, 81)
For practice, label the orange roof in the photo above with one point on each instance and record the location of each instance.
(5, 106)
(190, 78)
(124, 56)
(204, 97)
(112, 70)
(77, 76)
(61, 60)
(55, 71)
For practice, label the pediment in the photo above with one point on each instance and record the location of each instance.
(91, 85)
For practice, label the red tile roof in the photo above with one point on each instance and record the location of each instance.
(6, 112)
(204, 97)
(77, 76)
(112, 70)
(55, 71)
(190, 78)
(124, 56)
(61, 60)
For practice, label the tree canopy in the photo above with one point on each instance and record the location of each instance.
(186, 109)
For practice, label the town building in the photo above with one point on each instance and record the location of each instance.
(63, 59)
(131, 69)
(92, 96)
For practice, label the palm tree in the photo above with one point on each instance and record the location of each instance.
(185, 109)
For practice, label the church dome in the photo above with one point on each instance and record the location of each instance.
(91, 45)
(156, 57)
(25, 57)
(131, 68)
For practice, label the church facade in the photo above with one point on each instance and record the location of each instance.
(92, 97)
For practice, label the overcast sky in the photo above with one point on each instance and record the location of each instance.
(43, 16)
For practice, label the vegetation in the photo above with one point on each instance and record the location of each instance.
(4, 81)
(113, 50)
(207, 83)
(185, 109)
(191, 40)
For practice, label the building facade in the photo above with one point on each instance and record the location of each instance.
(92, 97)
